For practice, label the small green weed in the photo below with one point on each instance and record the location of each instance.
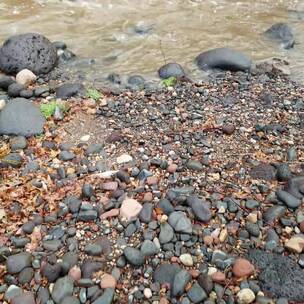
(169, 82)
(94, 94)
(48, 109)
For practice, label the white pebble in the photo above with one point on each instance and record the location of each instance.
(148, 293)
(2, 104)
(245, 296)
(186, 259)
(125, 158)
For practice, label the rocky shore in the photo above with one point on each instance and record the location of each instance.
(188, 193)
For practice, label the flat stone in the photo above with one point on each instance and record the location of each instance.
(200, 208)
(125, 158)
(134, 256)
(224, 59)
(25, 298)
(263, 171)
(274, 213)
(130, 209)
(148, 248)
(21, 117)
(196, 293)
(288, 199)
(181, 279)
(62, 289)
(242, 268)
(206, 282)
(70, 300)
(106, 298)
(52, 245)
(180, 223)
(165, 273)
(145, 214)
(68, 90)
(166, 233)
(195, 165)
(107, 281)
(26, 275)
(295, 243)
(12, 292)
(17, 262)
(87, 215)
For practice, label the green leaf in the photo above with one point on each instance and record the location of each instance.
(169, 82)
(94, 94)
(48, 109)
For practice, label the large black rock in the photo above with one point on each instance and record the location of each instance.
(223, 59)
(280, 276)
(282, 34)
(28, 51)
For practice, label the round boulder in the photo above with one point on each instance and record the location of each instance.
(28, 51)
(171, 70)
(223, 59)
(282, 34)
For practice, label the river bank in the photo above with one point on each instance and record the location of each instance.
(187, 194)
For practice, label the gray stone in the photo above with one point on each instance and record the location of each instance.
(25, 298)
(166, 233)
(196, 293)
(12, 292)
(166, 206)
(62, 289)
(18, 143)
(224, 59)
(181, 279)
(195, 165)
(66, 155)
(43, 295)
(145, 214)
(200, 208)
(17, 262)
(94, 149)
(288, 199)
(165, 273)
(21, 117)
(27, 51)
(180, 223)
(93, 249)
(26, 275)
(51, 272)
(205, 281)
(106, 298)
(52, 245)
(5, 82)
(148, 248)
(87, 215)
(282, 34)
(68, 90)
(134, 256)
(274, 213)
(73, 203)
(70, 300)
(171, 70)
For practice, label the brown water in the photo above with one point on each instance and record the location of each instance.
(180, 29)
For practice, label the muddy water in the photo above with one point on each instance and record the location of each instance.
(137, 36)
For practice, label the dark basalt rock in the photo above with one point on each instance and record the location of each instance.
(28, 51)
(263, 171)
(282, 34)
(280, 276)
(70, 90)
(171, 70)
(223, 59)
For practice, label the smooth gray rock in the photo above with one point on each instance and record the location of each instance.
(165, 273)
(87, 215)
(171, 70)
(68, 90)
(62, 289)
(148, 248)
(282, 34)
(12, 292)
(17, 262)
(288, 199)
(200, 208)
(180, 281)
(145, 214)
(70, 300)
(25, 298)
(12, 159)
(134, 256)
(106, 298)
(224, 59)
(166, 233)
(180, 222)
(27, 51)
(21, 117)
(196, 293)
(273, 213)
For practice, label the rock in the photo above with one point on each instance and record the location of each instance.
(12, 159)
(263, 171)
(12, 292)
(283, 172)
(89, 267)
(94, 149)
(166, 233)
(51, 272)
(26, 275)
(87, 190)
(136, 81)
(273, 213)
(224, 59)
(68, 90)
(2, 104)
(282, 34)
(165, 273)
(196, 294)
(166, 206)
(70, 300)
(288, 199)
(21, 117)
(134, 256)
(17, 262)
(107, 281)
(245, 296)
(228, 129)
(200, 208)
(87, 215)
(181, 279)
(206, 282)
(242, 268)
(52, 245)
(93, 249)
(130, 209)
(62, 288)
(25, 298)
(195, 165)
(43, 295)
(26, 77)
(145, 214)
(27, 51)
(18, 143)
(186, 259)
(293, 186)
(106, 298)
(75, 273)
(125, 158)
(148, 293)
(15, 89)
(296, 243)
(148, 248)
(171, 70)
(180, 223)
(5, 82)
(73, 203)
